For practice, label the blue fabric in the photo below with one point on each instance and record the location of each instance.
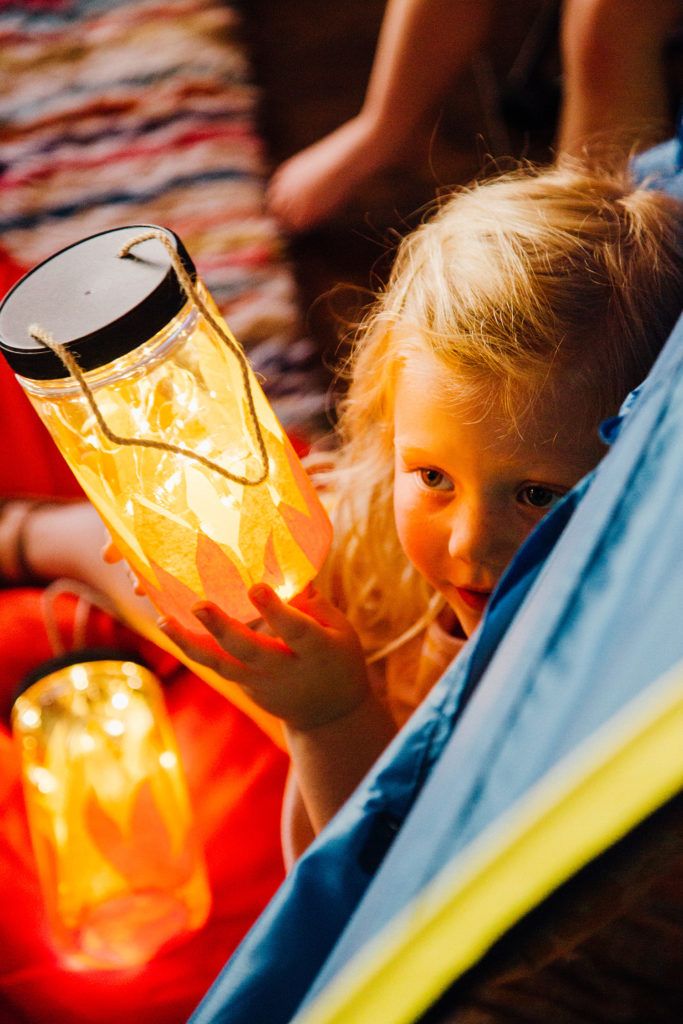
(586, 616)
(661, 166)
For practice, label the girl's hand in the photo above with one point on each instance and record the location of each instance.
(309, 673)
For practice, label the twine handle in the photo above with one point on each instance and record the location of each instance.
(88, 598)
(70, 363)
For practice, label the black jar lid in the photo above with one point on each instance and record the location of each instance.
(96, 303)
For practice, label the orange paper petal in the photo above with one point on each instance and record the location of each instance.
(142, 854)
(305, 484)
(273, 574)
(222, 581)
(174, 599)
(312, 537)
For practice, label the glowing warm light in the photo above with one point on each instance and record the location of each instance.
(79, 677)
(114, 726)
(120, 870)
(43, 780)
(131, 671)
(188, 532)
(86, 743)
(30, 718)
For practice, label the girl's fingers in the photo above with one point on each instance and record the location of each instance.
(110, 553)
(221, 663)
(296, 627)
(314, 604)
(250, 655)
(238, 640)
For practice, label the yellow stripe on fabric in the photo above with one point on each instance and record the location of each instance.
(612, 781)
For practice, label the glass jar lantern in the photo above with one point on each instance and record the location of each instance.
(119, 865)
(154, 406)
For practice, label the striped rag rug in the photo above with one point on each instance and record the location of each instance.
(115, 113)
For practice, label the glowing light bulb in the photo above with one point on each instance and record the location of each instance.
(167, 759)
(114, 726)
(30, 718)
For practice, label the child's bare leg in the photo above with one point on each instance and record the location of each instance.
(614, 89)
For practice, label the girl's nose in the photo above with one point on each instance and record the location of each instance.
(471, 534)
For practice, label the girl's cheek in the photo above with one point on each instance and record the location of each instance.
(410, 542)
(414, 533)
(407, 516)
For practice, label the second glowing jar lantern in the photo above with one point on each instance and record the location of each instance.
(119, 863)
(163, 422)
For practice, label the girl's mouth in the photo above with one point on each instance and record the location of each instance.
(475, 599)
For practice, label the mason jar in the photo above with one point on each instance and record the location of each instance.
(120, 867)
(163, 422)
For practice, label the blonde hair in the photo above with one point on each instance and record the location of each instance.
(561, 277)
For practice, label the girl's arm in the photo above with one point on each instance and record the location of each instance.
(312, 675)
(331, 759)
(47, 540)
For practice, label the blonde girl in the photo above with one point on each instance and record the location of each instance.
(514, 321)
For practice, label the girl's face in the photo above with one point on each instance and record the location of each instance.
(468, 489)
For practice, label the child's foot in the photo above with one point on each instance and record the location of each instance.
(319, 180)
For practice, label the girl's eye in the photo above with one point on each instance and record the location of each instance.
(537, 496)
(435, 480)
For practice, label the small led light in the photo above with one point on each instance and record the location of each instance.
(167, 759)
(79, 677)
(42, 779)
(120, 700)
(132, 673)
(114, 726)
(86, 743)
(30, 718)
